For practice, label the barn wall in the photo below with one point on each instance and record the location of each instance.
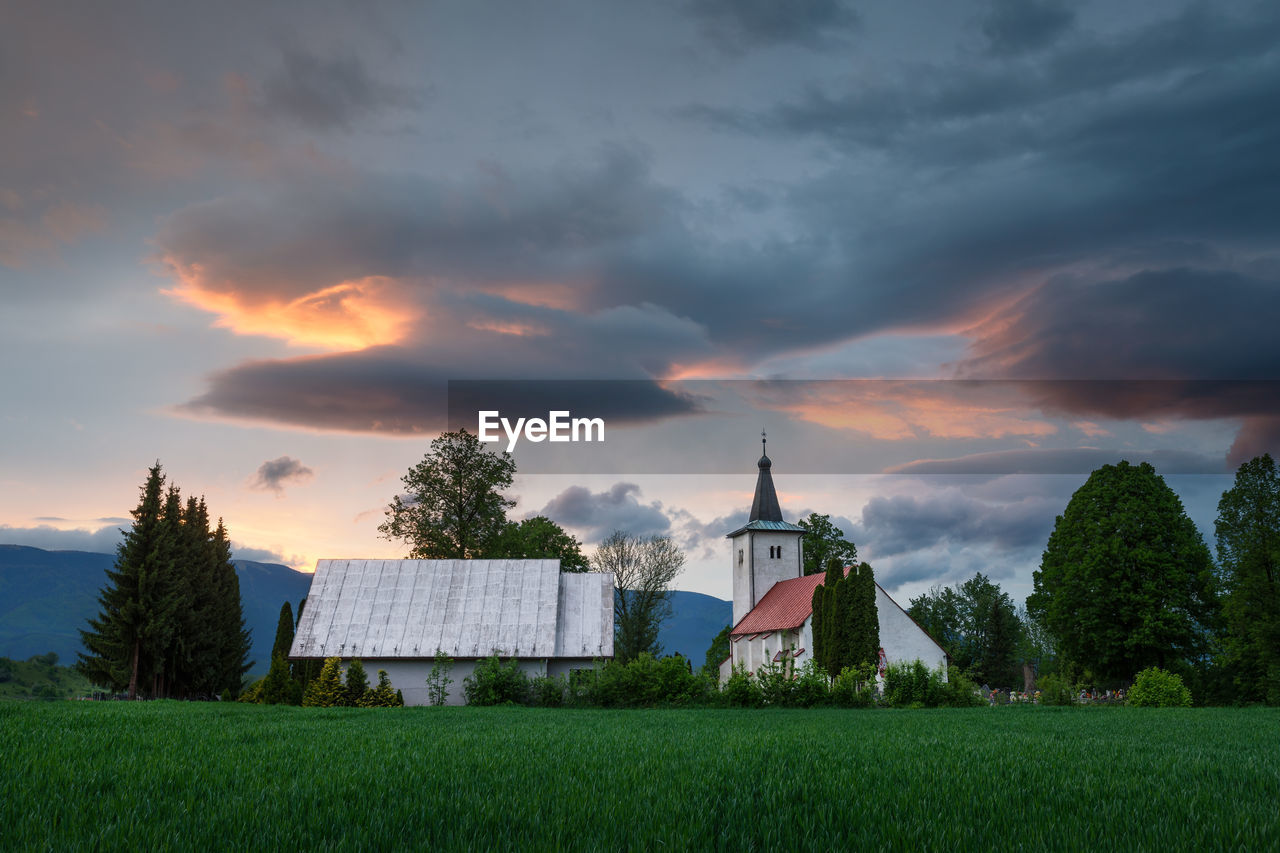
(410, 676)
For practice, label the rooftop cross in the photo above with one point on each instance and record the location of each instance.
(763, 442)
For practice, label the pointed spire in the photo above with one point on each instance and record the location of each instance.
(765, 506)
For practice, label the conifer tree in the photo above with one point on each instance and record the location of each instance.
(284, 632)
(357, 683)
(326, 691)
(304, 671)
(233, 638)
(278, 688)
(137, 611)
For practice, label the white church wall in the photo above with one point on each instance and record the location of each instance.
(741, 554)
(901, 638)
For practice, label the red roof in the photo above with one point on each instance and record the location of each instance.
(785, 606)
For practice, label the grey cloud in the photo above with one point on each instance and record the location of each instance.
(738, 25)
(325, 93)
(274, 474)
(1018, 26)
(1060, 461)
(256, 555)
(104, 540)
(598, 514)
(903, 524)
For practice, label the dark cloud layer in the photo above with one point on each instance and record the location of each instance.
(737, 25)
(325, 93)
(901, 524)
(1014, 27)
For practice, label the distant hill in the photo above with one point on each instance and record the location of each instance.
(46, 597)
(695, 620)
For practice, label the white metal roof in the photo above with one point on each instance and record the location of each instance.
(465, 608)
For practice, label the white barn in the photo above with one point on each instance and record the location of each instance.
(395, 614)
(773, 598)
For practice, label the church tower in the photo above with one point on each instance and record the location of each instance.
(766, 549)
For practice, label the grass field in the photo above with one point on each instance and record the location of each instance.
(165, 775)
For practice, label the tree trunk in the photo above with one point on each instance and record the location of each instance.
(133, 675)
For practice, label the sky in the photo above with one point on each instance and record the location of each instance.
(952, 256)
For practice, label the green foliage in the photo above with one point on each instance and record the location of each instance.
(1057, 689)
(1156, 688)
(823, 543)
(284, 632)
(1125, 581)
(548, 691)
(326, 690)
(36, 678)
(716, 653)
(357, 683)
(538, 538)
(642, 570)
(741, 690)
(846, 626)
(977, 625)
(279, 688)
(454, 506)
(170, 623)
(382, 696)
(644, 681)
(1248, 539)
(914, 685)
(854, 687)
(494, 682)
(438, 679)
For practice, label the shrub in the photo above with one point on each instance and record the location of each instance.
(438, 680)
(914, 685)
(811, 687)
(547, 691)
(1057, 690)
(958, 691)
(854, 687)
(1156, 688)
(741, 690)
(382, 696)
(326, 690)
(279, 688)
(776, 683)
(493, 682)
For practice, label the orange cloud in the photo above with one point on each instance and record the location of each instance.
(352, 315)
(892, 410)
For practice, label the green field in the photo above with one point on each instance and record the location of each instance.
(165, 775)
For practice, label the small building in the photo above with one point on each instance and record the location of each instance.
(395, 614)
(773, 598)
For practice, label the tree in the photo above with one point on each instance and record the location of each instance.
(823, 543)
(717, 652)
(1126, 581)
(846, 625)
(643, 570)
(539, 538)
(284, 632)
(278, 688)
(453, 507)
(326, 690)
(1248, 538)
(357, 683)
(137, 610)
(171, 621)
(978, 626)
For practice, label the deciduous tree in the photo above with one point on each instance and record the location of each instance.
(825, 542)
(1126, 581)
(643, 570)
(1248, 538)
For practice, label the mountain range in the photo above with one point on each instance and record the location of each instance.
(46, 597)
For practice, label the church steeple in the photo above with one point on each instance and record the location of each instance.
(765, 506)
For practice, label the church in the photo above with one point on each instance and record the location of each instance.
(773, 598)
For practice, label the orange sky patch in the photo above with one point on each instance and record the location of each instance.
(352, 315)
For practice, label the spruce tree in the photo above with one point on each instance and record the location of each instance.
(136, 616)
(232, 637)
(304, 671)
(278, 688)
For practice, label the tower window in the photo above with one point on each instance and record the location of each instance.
(739, 556)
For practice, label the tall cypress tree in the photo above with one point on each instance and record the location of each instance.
(867, 639)
(284, 632)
